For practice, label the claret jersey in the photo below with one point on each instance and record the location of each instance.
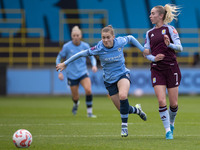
(155, 42)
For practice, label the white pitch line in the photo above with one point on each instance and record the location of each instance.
(59, 124)
(89, 123)
(92, 136)
(101, 123)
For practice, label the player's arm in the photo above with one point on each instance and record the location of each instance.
(135, 42)
(176, 45)
(147, 51)
(58, 60)
(62, 66)
(94, 63)
(156, 58)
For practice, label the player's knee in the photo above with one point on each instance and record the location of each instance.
(162, 101)
(122, 96)
(75, 97)
(88, 91)
(174, 105)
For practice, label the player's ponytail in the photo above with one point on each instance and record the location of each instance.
(169, 11)
(172, 11)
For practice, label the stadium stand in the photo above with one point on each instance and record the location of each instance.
(32, 32)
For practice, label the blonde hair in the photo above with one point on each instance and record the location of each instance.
(76, 28)
(170, 12)
(108, 28)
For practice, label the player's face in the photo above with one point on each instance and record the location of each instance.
(155, 17)
(76, 37)
(107, 39)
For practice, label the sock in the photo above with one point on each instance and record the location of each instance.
(88, 101)
(172, 114)
(164, 115)
(133, 110)
(124, 111)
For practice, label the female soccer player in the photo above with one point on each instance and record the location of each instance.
(165, 74)
(77, 71)
(115, 74)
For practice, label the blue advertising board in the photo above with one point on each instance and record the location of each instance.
(45, 81)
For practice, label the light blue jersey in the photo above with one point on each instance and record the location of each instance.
(77, 68)
(112, 59)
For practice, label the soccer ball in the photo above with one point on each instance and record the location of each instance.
(22, 138)
(138, 92)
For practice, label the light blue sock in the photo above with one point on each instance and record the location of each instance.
(133, 110)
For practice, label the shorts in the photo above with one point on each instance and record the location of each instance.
(77, 81)
(170, 77)
(112, 87)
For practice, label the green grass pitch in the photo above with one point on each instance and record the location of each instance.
(53, 126)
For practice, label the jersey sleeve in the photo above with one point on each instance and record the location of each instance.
(63, 52)
(95, 50)
(76, 56)
(174, 35)
(123, 40)
(147, 41)
(176, 45)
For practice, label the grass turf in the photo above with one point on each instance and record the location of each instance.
(53, 126)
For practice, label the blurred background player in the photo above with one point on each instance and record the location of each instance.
(77, 72)
(165, 74)
(115, 74)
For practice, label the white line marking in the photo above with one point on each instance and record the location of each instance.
(59, 124)
(92, 136)
(94, 124)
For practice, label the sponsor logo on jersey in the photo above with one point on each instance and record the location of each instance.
(93, 48)
(152, 35)
(164, 31)
(119, 49)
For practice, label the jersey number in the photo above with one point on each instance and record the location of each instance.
(176, 76)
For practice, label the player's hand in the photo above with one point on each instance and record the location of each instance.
(146, 52)
(166, 40)
(159, 57)
(61, 76)
(60, 67)
(94, 69)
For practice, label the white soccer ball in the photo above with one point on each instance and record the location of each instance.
(138, 92)
(22, 138)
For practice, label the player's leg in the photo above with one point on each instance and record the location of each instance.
(116, 101)
(124, 127)
(160, 91)
(86, 83)
(173, 100)
(174, 79)
(75, 98)
(123, 88)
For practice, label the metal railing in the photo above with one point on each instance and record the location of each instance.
(29, 48)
